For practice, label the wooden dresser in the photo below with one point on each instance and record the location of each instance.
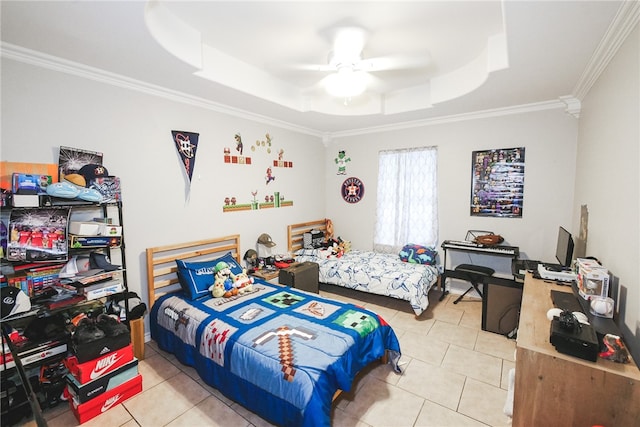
(555, 389)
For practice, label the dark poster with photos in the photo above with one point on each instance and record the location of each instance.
(497, 183)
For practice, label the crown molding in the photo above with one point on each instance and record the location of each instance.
(483, 114)
(623, 24)
(43, 60)
(39, 59)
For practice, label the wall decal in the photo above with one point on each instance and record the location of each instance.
(186, 144)
(236, 159)
(341, 161)
(352, 190)
(497, 183)
(271, 200)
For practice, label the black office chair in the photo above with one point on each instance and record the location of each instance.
(473, 274)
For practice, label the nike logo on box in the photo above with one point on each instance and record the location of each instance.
(103, 365)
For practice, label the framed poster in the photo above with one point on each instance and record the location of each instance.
(497, 182)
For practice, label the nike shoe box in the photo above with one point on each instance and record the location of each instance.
(95, 368)
(107, 400)
(82, 393)
(98, 348)
(302, 275)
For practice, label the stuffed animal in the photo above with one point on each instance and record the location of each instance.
(243, 283)
(223, 280)
(329, 233)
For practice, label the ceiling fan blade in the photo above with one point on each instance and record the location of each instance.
(395, 62)
(311, 67)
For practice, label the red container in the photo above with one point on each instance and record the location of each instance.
(91, 409)
(95, 368)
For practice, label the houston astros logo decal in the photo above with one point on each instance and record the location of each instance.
(352, 190)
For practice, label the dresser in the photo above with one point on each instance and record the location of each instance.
(555, 389)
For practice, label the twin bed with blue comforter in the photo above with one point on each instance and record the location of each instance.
(279, 352)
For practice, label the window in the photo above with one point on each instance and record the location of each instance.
(407, 203)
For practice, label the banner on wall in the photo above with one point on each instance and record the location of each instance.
(186, 144)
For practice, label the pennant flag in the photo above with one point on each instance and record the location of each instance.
(186, 144)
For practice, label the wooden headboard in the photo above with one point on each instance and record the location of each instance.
(161, 261)
(295, 232)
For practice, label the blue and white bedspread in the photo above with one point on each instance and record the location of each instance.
(280, 352)
(376, 273)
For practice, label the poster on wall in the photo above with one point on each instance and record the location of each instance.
(497, 182)
(71, 160)
(38, 235)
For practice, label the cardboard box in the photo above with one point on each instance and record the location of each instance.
(93, 389)
(592, 279)
(94, 241)
(84, 228)
(110, 230)
(94, 407)
(94, 368)
(98, 348)
(25, 200)
(22, 183)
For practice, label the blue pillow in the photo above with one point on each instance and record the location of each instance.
(418, 254)
(197, 277)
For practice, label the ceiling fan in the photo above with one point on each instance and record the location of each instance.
(350, 71)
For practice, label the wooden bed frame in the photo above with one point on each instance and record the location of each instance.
(296, 231)
(162, 274)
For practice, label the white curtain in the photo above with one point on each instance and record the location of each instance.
(407, 203)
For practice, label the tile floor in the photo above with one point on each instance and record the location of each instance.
(455, 374)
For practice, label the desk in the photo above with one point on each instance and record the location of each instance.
(448, 245)
(555, 389)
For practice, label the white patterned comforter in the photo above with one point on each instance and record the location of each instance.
(375, 273)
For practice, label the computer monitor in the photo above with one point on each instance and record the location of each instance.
(564, 247)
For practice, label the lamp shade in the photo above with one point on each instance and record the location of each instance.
(346, 83)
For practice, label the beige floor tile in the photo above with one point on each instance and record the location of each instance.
(166, 401)
(409, 322)
(340, 418)
(495, 345)
(156, 369)
(484, 403)
(454, 334)
(476, 365)
(425, 348)
(210, 412)
(434, 415)
(433, 383)
(382, 404)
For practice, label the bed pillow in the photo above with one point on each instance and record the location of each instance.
(418, 254)
(196, 277)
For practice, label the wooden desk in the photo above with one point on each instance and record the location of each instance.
(555, 389)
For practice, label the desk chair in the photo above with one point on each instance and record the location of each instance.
(474, 274)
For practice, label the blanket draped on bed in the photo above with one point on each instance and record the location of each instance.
(375, 273)
(279, 352)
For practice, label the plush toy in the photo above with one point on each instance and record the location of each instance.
(329, 233)
(223, 281)
(243, 283)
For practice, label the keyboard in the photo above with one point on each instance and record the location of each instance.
(476, 247)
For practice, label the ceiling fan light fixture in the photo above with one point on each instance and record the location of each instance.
(346, 83)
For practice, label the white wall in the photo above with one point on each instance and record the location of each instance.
(549, 138)
(608, 178)
(43, 110)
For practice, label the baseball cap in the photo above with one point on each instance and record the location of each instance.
(92, 171)
(14, 301)
(266, 240)
(98, 260)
